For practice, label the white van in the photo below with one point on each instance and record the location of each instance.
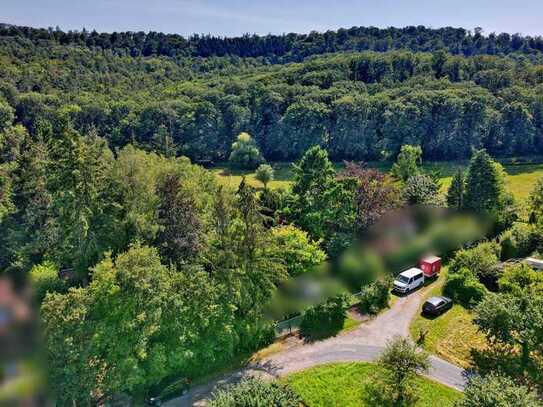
(408, 280)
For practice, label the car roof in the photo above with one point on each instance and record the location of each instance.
(411, 272)
(437, 300)
(431, 259)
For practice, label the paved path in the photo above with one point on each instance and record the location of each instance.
(364, 343)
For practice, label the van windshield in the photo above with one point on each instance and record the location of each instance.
(403, 279)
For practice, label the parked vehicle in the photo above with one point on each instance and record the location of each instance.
(437, 305)
(408, 280)
(431, 266)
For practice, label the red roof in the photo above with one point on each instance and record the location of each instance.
(431, 259)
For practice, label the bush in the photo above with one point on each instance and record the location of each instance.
(518, 241)
(520, 276)
(252, 392)
(325, 319)
(421, 190)
(464, 288)
(481, 260)
(376, 296)
(44, 278)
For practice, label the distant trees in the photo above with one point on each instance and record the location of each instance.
(245, 153)
(291, 47)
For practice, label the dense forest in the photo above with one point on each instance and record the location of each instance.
(288, 47)
(358, 105)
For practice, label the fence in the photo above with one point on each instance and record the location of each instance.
(288, 326)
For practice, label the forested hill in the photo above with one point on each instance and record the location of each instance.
(358, 105)
(289, 47)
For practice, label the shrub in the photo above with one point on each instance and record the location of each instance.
(520, 276)
(44, 278)
(421, 190)
(481, 260)
(252, 392)
(325, 319)
(376, 296)
(518, 241)
(463, 287)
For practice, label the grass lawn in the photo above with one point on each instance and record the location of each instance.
(342, 385)
(450, 335)
(349, 324)
(520, 178)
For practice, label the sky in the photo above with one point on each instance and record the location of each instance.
(237, 17)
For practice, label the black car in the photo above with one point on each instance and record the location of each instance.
(437, 305)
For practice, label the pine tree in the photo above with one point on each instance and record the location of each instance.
(457, 190)
(485, 184)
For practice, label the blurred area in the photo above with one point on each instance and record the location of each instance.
(22, 382)
(397, 242)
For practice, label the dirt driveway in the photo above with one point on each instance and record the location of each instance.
(364, 343)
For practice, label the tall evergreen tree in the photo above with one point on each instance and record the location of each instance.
(456, 191)
(486, 193)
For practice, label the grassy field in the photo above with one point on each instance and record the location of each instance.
(342, 385)
(452, 334)
(520, 177)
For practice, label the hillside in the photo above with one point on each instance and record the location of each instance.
(359, 105)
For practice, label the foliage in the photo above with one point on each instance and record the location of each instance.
(513, 323)
(45, 278)
(464, 287)
(518, 241)
(375, 195)
(407, 163)
(401, 361)
(497, 391)
(181, 235)
(264, 173)
(376, 296)
(298, 252)
(322, 204)
(481, 260)
(255, 392)
(536, 201)
(162, 322)
(325, 319)
(456, 191)
(485, 189)
(421, 190)
(245, 153)
(519, 277)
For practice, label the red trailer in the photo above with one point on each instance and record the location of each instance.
(430, 266)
